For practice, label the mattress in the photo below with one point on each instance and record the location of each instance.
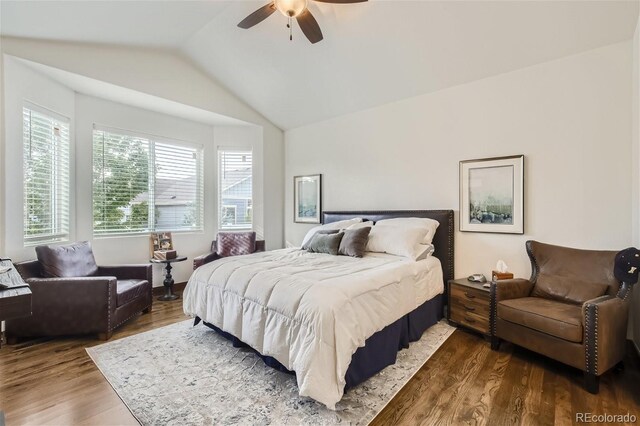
(310, 311)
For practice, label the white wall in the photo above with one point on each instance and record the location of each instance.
(569, 117)
(169, 76)
(635, 313)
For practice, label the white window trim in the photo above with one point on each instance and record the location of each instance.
(239, 148)
(57, 237)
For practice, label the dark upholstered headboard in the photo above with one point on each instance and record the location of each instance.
(442, 242)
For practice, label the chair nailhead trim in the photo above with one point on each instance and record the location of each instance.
(109, 305)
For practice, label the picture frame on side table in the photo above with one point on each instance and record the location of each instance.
(492, 195)
(307, 199)
(160, 241)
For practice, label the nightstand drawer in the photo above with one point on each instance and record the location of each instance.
(475, 307)
(469, 294)
(470, 320)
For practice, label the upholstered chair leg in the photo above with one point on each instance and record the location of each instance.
(495, 343)
(11, 340)
(105, 336)
(592, 383)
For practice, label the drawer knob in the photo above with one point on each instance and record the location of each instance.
(469, 295)
(469, 308)
(467, 319)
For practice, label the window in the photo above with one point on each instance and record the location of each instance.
(235, 189)
(145, 184)
(46, 176)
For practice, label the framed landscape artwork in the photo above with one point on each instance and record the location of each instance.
(492, 195)
(307, 198)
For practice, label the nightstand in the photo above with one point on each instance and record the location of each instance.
(469, 305)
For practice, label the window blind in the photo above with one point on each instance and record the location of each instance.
(145, 184)
(46, 176)
(235, 189)
(178, 191)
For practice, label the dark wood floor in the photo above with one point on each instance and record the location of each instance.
(55, 382)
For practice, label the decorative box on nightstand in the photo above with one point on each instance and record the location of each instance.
(469, 305)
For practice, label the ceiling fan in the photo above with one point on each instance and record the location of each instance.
(293, 9)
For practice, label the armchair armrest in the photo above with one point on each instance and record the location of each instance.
(605, 332)
(69, 306)
(505, 290)
(511, 289)
(28, 269)
(127, 272)
(203, 259)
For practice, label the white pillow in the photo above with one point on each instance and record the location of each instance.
(341, 224)
(398, 240)
(412, 222)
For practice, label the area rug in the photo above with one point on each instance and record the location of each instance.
(185, 375)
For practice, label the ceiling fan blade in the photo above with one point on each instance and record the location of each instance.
(341, 1)
(258, 16)
(309, 26)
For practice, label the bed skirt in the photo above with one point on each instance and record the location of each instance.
(380, 350)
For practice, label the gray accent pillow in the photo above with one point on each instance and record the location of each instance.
(72, 260)
(325, 243)
(354, 242)
(323, 232)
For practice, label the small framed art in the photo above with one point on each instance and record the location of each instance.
(307, 198)
(492, 195)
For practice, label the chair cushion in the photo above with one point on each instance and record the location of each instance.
(236, 243)
(570, 290)
(558, 319)
(73, 260)
(129, 290)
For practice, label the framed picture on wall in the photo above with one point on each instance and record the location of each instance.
(492, 195)
(307, 198)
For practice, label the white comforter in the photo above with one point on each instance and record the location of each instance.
(309, 311)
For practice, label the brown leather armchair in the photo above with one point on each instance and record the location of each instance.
(572, 309)
(231, 244)
(98, 300)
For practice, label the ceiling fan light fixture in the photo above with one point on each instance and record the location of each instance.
(291, 8)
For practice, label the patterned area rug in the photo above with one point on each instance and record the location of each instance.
(184, 375)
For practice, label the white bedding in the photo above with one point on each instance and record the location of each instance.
(310, 311)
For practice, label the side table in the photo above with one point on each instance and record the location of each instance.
(469, 305)
(15, 299)
(168, 279)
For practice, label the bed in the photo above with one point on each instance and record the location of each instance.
(332, 320)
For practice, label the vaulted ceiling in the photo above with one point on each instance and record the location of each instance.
(372, 53)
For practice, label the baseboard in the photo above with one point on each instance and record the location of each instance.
(159, 291)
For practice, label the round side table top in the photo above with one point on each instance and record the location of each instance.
(177, 259)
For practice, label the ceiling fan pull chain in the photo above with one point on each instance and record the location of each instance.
(290, 29)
